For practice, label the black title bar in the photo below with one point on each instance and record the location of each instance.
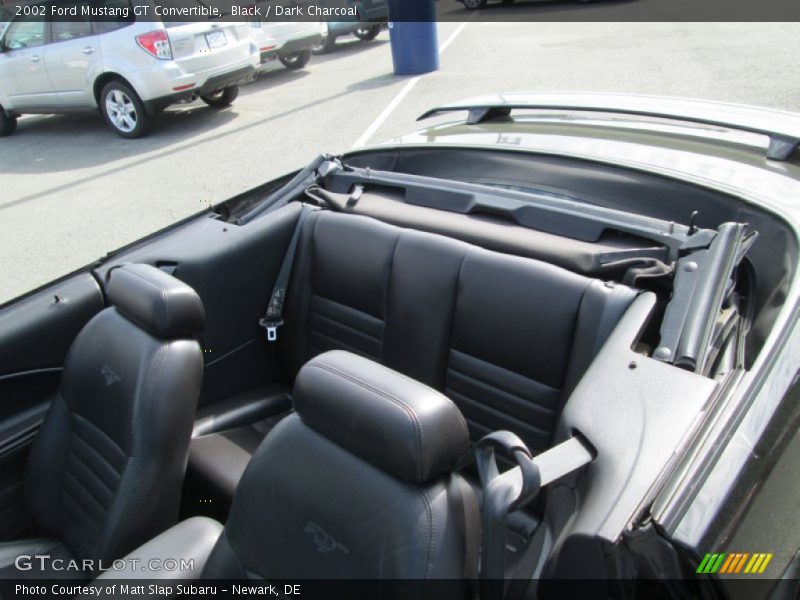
(408, 10)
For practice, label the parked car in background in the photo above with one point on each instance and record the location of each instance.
(286, 43)
(372, 14)
(130, 70)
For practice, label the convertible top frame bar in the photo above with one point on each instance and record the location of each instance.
(781, 127)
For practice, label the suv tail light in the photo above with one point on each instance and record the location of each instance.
(155, 43)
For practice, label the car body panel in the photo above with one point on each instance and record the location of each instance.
(782, 127)
(710, 149)
(192, 52)
(72, 66)
(276, 39)
(26, 83)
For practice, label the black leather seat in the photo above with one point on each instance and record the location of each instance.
(507, 338)
(106, 469)
(355, 484)
(219, 459)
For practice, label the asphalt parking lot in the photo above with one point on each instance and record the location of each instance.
(71, 190)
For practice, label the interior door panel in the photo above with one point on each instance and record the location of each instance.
(35, 336)
(233, 269)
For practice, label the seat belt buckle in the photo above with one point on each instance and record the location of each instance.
(271, 327)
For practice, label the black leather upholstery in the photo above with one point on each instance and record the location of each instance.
(309, 506)
(398, 424)
(244, 409)
(155, 301)
(506, 338)
(227, 433)
(106, 468)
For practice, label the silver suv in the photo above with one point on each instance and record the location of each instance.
(128, 69)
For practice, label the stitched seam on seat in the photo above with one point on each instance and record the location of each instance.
(476, 425)
(84, 422)
(406, 408)
(498, 390)
(310, 281)
(81, 441)
(336, 342)
(388, 287)
(60, 502)
(317, 314)
(80, 530)
(80, 462)
(418, 383)
(502, 415)
(450, 335)
(489, 381)
(82, 488)
(431, 532)
(153, 375)
(95, 451)
(323, 308)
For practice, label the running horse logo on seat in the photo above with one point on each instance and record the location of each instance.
(324, 541)
(109, 376)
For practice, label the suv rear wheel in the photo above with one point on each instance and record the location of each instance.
(326, 44)
(222, 98)
(296, 60)
(7, 124)
(367, 34)
(124, 111)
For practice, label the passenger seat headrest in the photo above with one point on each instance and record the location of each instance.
(156, 301)
(385, 418)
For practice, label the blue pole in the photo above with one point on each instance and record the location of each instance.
(413, 36)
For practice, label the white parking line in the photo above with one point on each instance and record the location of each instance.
(370, 131)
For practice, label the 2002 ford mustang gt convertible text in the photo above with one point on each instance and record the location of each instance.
(553, 342)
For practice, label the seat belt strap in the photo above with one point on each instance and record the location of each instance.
(273, 318)
(522, 575)
(505, 492)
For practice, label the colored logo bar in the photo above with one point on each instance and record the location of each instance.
(732, 563)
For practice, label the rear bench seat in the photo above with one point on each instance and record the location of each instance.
(506, 338)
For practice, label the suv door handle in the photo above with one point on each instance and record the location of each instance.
(88, 50)
(35, 58)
